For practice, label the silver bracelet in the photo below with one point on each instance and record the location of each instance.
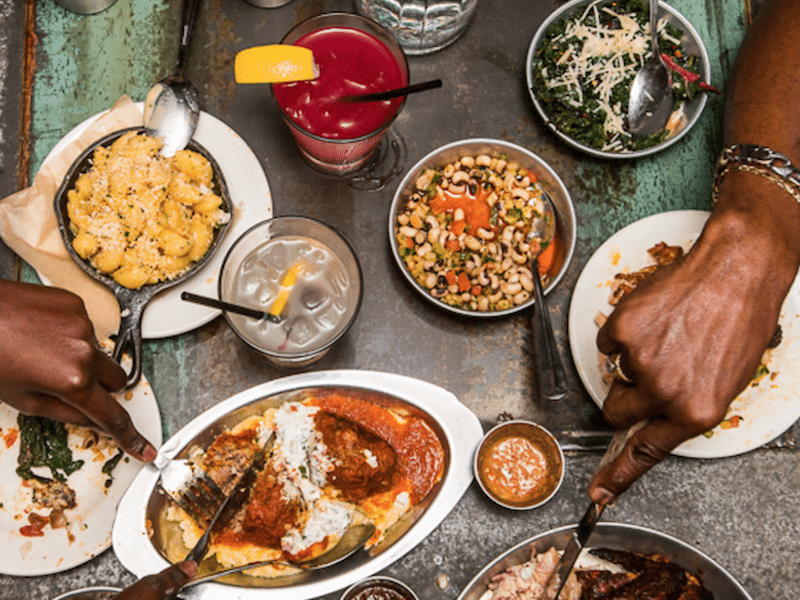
(760, 160)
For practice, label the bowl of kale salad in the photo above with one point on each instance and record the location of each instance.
(582, 62)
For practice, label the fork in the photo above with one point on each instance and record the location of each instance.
(190, 487)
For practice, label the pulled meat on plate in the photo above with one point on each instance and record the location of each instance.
(625, 283)
(621, 575)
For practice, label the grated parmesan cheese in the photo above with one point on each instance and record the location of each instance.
(592, 59)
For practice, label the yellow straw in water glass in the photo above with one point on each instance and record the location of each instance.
(286, 286)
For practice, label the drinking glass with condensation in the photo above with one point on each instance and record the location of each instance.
(354, 55)
(421, 26)
(304, 275)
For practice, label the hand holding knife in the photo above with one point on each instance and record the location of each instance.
(587, 524)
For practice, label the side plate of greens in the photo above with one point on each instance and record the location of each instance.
(582, 61)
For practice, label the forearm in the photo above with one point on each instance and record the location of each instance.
(755, 219)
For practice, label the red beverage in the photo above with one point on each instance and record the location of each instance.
(354, 56)
(350, 62)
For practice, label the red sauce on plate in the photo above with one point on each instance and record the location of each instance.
(350, 62)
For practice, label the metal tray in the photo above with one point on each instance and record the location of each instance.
(617, 536)
(457, 427)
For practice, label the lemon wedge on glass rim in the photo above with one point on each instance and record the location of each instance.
(274, 63)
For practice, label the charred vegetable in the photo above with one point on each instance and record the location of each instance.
(43, 443)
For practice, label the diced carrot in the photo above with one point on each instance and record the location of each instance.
(463, 282)
(533, 176)
(409, 242)
(476, 290)
(451, 277)
(457, 227)
(547, 258)
(452, 245)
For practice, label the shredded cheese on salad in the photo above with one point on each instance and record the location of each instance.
(586, 64)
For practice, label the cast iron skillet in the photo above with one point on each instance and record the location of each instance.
(132, 302)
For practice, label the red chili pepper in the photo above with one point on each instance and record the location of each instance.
(687, 75)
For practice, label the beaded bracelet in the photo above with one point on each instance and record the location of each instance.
(759, 160)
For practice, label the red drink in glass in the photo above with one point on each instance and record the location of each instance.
(354, 56)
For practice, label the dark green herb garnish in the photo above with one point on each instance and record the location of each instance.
(111, 463)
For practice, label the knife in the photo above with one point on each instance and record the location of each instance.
(581, 534)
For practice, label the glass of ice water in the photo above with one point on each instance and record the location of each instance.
(421, 26)
(317, 306)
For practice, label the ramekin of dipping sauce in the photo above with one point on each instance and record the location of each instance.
(354, 55)
(319, 306)
(519, 465)
(379, 588)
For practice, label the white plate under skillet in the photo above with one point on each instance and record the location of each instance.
(457, 427)
(766, 411)
(166, 314)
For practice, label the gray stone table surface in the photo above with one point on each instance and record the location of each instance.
(743, 511)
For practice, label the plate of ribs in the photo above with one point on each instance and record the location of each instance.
(762, 412)
(623, 562)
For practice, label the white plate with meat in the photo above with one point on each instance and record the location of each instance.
(146, 537)
(610, 536)
(760, 413)
(34, 547)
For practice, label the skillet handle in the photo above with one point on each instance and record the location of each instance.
(129, 337)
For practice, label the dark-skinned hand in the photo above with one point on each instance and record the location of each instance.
(51, 364)
(691, 337)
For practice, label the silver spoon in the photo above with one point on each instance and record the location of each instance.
(550, 370)
(651, 101)
(353, 540)
(172, 106)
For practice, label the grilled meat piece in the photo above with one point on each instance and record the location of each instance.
(656, 578)
(269, 515)
(228, 456)
(625, 283)
(363, 463)
(597, 583)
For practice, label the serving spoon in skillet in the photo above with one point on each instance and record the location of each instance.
(172, 106)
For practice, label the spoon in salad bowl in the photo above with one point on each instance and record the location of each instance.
(651, 101)
(549, 368)
(172, 106)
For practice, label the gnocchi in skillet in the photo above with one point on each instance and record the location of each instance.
(142, 218)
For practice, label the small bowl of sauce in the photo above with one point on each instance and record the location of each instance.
(379, 588)
(519, 465)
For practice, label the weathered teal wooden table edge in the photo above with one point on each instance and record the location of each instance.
(84, 63)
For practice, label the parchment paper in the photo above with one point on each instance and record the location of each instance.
(29, 227)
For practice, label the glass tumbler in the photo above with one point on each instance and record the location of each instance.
(421, 26)
(354, 55)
